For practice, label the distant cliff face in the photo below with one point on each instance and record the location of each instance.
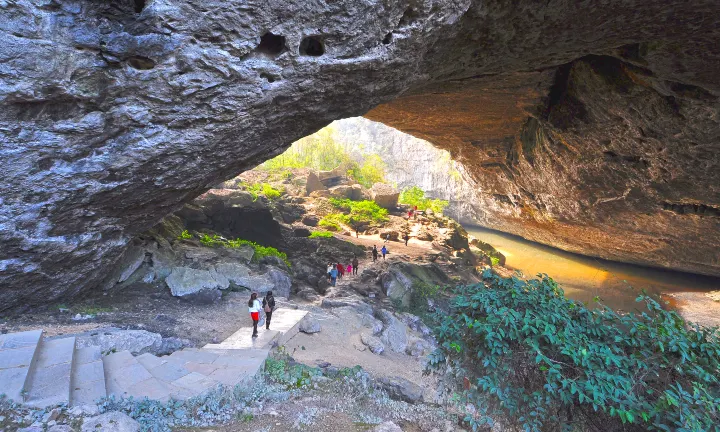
(412, 161)
(115, 113)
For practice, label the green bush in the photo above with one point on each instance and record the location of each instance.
(360, 212)
(333, 221)
(321, 234)
(185, 235)
(541, 362)
(370, 171)
(414, 196)
(260, 250)
(264, 189)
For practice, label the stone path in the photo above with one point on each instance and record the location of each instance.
(40, 372)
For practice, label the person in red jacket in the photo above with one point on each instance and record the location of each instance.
(341, 270)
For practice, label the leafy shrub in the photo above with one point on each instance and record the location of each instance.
(264, 189)
(542, 362)
(333, 221)
(260, 250)
(184, 235)
(297, 375)
(370, 171)
(414, 196)
(320, 234)
(361, 212)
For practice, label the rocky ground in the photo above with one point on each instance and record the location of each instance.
(362, 322)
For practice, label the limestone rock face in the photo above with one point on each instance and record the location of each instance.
(127, 110)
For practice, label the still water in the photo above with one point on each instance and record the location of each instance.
(582, 278)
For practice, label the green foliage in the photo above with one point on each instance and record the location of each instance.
(184, 235)
(414, 196)
(419, 295)
(494, 261)
(321, 234)
(319, 151)
(297, 375)
(332, 221)
(370, 171)
(360, 212)
(260, 250)
(264, 189)
(542, 362)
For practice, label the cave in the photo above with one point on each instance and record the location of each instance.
(129, 148)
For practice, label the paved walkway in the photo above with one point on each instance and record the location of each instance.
(40, 372)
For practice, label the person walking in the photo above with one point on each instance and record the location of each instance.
(341, 270)
(329, 269)
(268, 305)
(349, 269)
(406, 237)
(333, 275)
(384, 251)
(355, 264)
(254, 306)
(374, 253)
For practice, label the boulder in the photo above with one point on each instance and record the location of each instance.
(320, 194)
(234, 272)
(192, 213)
(322, 285)
(353, 302)
(373, 343)
(313, 183)
(111, 339)
(390, 235)
(359, 193)
(333, 177)
(399, 388)
(417, 347)
(384, 195)
(342, 191)
(309, 325)
(308, 294)
(301, 232)
(112, 421)
(281, 282)
(394, 334)
(310, 220)
(456, 237)
(185, 281)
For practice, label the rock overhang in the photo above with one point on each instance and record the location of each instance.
(126, 110)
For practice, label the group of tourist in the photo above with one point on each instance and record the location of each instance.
(383, 250)
(267, 306)
(337, 271)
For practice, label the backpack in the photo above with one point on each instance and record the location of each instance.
(267, 307)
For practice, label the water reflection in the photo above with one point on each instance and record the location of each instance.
(583, 277)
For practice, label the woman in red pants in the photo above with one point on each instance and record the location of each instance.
(254, 306)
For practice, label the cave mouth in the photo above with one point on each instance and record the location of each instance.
(312, 46)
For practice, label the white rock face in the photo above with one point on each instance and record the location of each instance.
(184, 281)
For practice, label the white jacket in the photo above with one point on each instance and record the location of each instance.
(256, 307)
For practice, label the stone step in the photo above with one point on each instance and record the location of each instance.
(125, 376)
(88, 377)
(179, 373)
(287, 322)
(50, 378)
(242, 339)
(17, 352)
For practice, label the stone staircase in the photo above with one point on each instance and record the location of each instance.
(45, 372)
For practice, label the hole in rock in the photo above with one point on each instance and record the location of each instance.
(269, 78)
(409, 17)
(312, 46)
(141, 63)
(271, 44)
(139, 5)
(387, 39)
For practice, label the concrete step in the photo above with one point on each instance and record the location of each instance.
(125, 376)
(50, 377)
(242, 339)
(88, 377)
(17, 352)
(287, 321)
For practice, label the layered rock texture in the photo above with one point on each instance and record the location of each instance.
(593, 126)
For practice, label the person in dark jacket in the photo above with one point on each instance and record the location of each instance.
(355, 264)
(374, 253)
(268, 307)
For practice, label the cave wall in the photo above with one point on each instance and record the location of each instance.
(609, 159)
(114, 114)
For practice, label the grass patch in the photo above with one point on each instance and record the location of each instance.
(260, 250)
(321, 234)
(332, 221)
(414, 196)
